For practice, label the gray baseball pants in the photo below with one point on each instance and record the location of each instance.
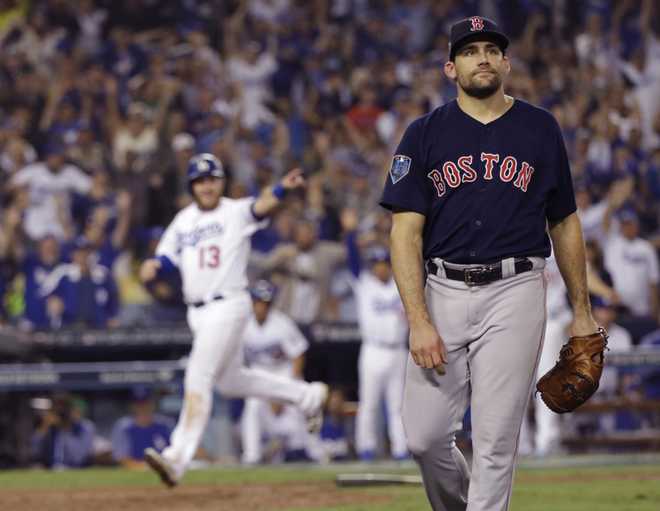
(493, 334)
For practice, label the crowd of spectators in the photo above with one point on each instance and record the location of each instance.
(103, 102)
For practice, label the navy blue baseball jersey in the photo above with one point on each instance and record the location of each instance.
(486, 190)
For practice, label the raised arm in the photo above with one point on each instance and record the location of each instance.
(426, 346)
(271, 197)
(569, 251)
(123, 226)
(618, 194)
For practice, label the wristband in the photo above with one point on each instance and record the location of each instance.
(279, 191)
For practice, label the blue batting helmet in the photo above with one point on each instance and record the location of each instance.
(202, 165)
(264, 291)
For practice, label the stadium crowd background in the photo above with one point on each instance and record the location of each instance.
(104, 102)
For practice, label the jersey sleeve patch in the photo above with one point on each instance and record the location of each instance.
(400, 167)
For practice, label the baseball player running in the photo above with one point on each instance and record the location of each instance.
(271, 342)
(383, 354)
(475, 187)
(209, 242)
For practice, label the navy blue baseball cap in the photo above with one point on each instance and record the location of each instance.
(54, 147)
(377, 254)
(82, 243)
(141, 393)
(263, 291)
(475, 28)
(627, 214)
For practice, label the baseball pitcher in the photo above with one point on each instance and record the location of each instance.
(473, 186)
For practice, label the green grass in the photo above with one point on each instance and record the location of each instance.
(607, 488)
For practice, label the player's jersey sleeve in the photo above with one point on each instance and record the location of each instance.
(243, 212)
(121, 443)
(654, 272)
(406, 186)
(23, 176)
(561, 200)
(79, 181)
(295, 343)
(169, 245)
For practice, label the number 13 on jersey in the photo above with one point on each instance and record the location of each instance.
(209, 256)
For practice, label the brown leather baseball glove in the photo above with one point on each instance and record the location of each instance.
(575, 377)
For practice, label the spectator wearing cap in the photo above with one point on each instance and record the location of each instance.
(251, 65)
(51, 184)
(86, 290)
(87, 152)
(134, 139)
(63, 121)
(272, 342)
(91, 20)
(122, 56)
(391, 123)
(36, 266)
(142, 429)
(105, 218)
(383, 354)
(307, 264)
(333, 97)
(633, 263)
(363, 116)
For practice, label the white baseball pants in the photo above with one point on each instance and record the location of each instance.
(216, 359)
(381, 375)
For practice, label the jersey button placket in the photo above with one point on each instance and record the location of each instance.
(484, 137)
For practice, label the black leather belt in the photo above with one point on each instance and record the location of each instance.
(202, 303)
(480, 275)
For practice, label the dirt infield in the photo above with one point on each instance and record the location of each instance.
(243, 497)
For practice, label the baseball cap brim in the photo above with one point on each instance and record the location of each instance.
(498, 38)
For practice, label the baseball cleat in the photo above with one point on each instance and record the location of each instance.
(315, 418)
(161, 466)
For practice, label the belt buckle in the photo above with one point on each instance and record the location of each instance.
(475, 276)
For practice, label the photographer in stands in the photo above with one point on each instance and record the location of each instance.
(63, 438)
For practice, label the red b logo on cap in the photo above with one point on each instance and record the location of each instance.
(477, 23)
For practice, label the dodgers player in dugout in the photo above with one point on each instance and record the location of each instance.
(382, 362)
(476, 186)
(271, 342)
(209, 242)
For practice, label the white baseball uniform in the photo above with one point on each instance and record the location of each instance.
(271, 346)
(211, 250)
(634, 266)
(382, 362)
